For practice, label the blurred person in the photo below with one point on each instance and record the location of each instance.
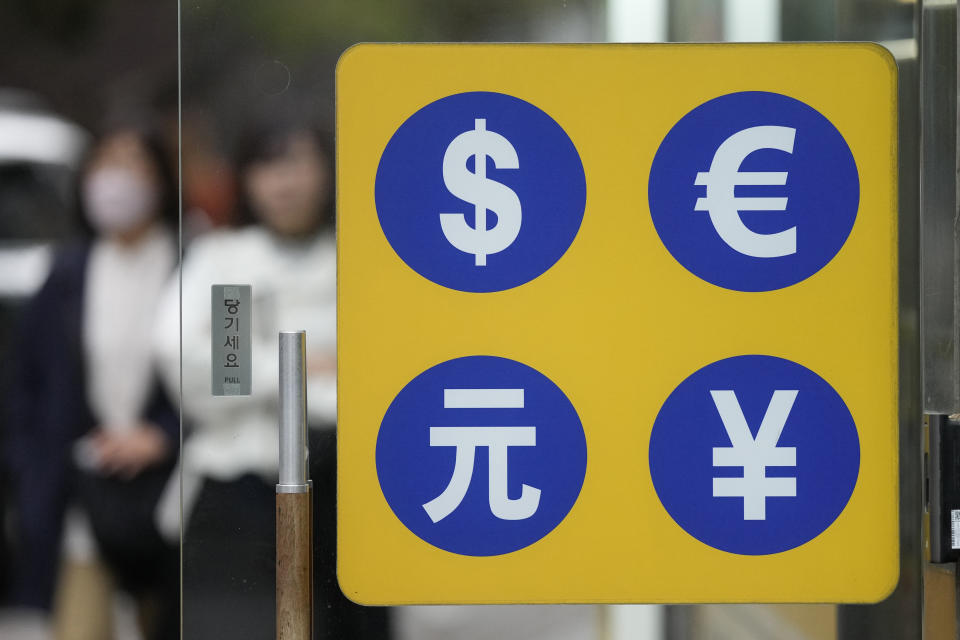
(286, 251)
(209, 191)
(39, 151)
(92, 436)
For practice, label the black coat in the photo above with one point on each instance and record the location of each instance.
(48, 411)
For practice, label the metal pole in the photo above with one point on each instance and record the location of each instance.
(899, 617)
(294, 517)
(293, 412)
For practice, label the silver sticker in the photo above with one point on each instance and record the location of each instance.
(230, 339)
(955, 528)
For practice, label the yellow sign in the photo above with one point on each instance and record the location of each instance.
(617, 323)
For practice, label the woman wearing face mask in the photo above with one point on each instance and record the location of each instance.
(92, 436)
(285, 250)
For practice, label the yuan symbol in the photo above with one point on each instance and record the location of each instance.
(497, 440)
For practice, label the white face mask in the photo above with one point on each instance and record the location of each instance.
(117, 199)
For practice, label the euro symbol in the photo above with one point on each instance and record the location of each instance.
(724, 208)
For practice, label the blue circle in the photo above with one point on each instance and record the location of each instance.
(549, 184)
(412, 473)
(822, 190)
(818, 426)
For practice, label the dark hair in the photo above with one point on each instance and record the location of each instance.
(268, 138)
(156, 149)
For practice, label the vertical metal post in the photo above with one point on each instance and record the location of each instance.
(293, 411)
(938, 208)
(900, 616)
(294, 517)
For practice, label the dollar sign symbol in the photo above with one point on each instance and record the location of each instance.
(484, 194)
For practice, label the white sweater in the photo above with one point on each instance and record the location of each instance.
(123, 284)
(293, 287)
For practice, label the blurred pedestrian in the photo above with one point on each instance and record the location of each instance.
(286, 251)
(93, 437)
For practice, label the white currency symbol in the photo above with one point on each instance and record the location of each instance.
(724, 208)
(754, 454)
(474, 187)
(497, 440)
